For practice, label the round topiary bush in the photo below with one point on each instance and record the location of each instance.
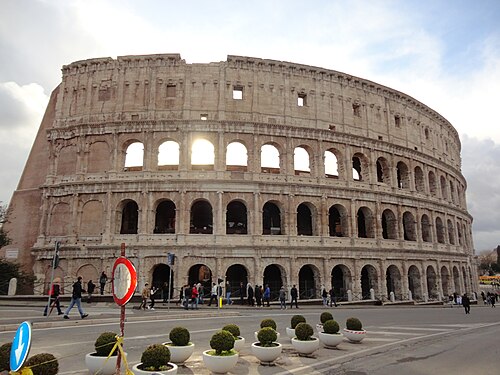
(155, 358)
(5, 356)
(104, 343)
(222, 341)
(179, 336)
(354, 324)
(296, 319)
(325, 316)
(303, 331)
(268, 323)
(43, 364)
(331, 327)
(233, 329)
(267, 336)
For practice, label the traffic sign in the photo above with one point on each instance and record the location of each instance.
(20, 346)
(124, 281)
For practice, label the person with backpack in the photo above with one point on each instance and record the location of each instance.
(54, 293)
(76, 299)
(267, 295)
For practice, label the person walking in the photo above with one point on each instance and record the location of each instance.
(333, 298)
(194, 297)
(152, 297)
(324, 295)
(187, 296)
(250, 295)
(213, 295)
(200, 288)
(90, 290)
(267, 295)
(294, 294)
(54, 293)
(242, 294)
(144, 295)
(165, 292)
(228, 293)
(76, 299)
(102, 281)
(282, 298)
(258, 295)
(493, 299)
(466, 303)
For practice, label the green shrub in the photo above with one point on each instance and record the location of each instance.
(222, 341)
(268, 323)
(296, 319)
(105, 343)
(303, 331)
(325, 316)
(331, 327)
(5, 356)
(155, 358)
(233, 329)
(354, 324)
(267, 336)
(43, 364)
(179, 336)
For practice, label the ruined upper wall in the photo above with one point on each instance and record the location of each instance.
(164, 87)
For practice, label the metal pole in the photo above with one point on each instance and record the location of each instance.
(52, 277)
(122, 323)
(169, 286)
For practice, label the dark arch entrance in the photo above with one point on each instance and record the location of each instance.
(340, 281)
(130, 217)
(235, 275)
(271, 219)
(200, 273)
(165, 218)
(393, 281)
(273, 278)
(201, 218)
(414, 283)
(368, 281)
(161, 281)
(236, 218)
(304, 221)
(307, 283)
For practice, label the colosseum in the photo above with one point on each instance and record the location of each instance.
(248, 170)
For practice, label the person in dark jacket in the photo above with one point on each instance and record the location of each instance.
(54, 293)
(76, 298)
(90, 290)
(466, 303)
(102, 281)
(258, 295)
(294, 295)
(250, 295)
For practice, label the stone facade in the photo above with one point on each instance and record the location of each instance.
(389, 214)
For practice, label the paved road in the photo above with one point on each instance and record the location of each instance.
(401, 340)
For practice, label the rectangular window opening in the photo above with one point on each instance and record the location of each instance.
(397, 121)
(204, 116)
(301, 100)
(170, 91)
(356, 110)
(238, 92)
(380, 138)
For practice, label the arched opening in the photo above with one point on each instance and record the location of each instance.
(269, 159)
(426, 228)
(163, 279)
(451, 232)
(459, 232)
(202, 155)
(271, 219)
(308, 281)
(403, 175)
(419, 180)
(466, 280)
(236, 157)
(440, 230)
(414, 283)
(301, 161)
(168, 156)
(130, 217)
(88, 272)
(409, 227)
(393, 282)
(236, 218)
(341, 281)
(235, 275)
(383, 172)
(201, 218)
(200, 273)
(452, 192)
(432, 184)
(331, 164)
(432, 290)
(134, 157)
(274, 278)
(338, 222)
(369, 280)
(165, 217)
(444, 191)
(389, 225)
(445, 281)
(365, 223)
(456, 281)
(304, 220)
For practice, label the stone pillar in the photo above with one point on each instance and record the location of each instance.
(257, 220)
(354, 219)
(220, 227)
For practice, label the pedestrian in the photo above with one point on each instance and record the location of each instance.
(213, 295)
(144, 295)
(90, 290)
(466, 303)
(267, 295)
(54, 293)
(242, 293)
(483, 296)
(333, 299)
(152, 297)
(324, 295)
(282, 298)
(102, 281)
(199, 287)
(187, 296)
(250, 295)
(76, 299)
(228, 293)
(194, 298)
(294, 296)
(492, 299)
(165, 291)
(258, 295)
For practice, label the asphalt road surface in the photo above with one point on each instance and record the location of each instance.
(400, 340)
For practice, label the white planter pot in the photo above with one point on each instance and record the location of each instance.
(330, 340)
(96, 365)
(179, 354)
(137, 371)
(266, 355)
(305, 347)
(219, 364)
(239, 344)
(277, 333)
(354, 336)
(290, 332)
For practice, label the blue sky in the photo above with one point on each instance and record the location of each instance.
(443, 53)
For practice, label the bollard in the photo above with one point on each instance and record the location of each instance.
(349, 295)
(12, 287)
(410, 295)
(372, 293)
(392, 297)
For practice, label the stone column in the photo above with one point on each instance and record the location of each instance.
(257, 219)
(219, 217)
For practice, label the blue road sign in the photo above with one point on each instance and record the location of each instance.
(20, 346)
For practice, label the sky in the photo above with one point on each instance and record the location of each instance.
(444, 53)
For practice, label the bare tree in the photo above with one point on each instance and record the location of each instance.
(4, 239)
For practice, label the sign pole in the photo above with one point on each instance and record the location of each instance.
(122, 323)
(169, 280)
(54, 266)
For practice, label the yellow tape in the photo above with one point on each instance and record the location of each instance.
(23, 371)
(118, 344)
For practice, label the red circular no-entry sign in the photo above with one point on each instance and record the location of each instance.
(124, 280)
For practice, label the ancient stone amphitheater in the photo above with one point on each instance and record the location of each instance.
(248, 170)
